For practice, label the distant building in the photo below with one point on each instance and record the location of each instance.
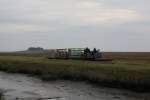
(35, 49)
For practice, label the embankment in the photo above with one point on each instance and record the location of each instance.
(119, 74)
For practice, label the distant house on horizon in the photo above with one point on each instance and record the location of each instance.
(34, 49)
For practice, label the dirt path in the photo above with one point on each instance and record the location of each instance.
(21, 87)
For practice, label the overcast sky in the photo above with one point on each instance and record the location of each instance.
(112, 25)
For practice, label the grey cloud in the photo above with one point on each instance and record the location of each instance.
(108, 24)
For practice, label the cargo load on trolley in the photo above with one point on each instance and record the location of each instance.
(76, 53)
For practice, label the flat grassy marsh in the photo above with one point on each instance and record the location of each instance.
(129, 74)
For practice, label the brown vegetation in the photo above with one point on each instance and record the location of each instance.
(127, 70)
(144, 56)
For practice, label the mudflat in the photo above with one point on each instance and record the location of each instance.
(22, 87)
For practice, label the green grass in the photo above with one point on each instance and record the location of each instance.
(133, 75)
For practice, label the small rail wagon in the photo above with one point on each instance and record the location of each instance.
(75, 53)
